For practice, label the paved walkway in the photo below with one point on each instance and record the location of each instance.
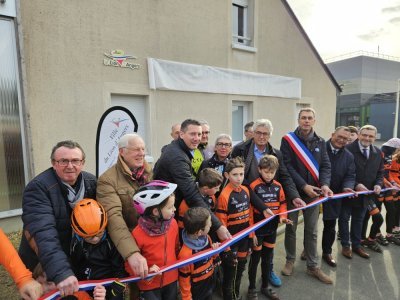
(354, 279)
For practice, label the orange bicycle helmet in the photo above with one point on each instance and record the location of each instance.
(88, 218)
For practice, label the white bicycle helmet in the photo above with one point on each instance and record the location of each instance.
(152, 194)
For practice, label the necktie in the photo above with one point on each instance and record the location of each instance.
(365, 152)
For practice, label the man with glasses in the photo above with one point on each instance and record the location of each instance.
(115, 190)
(307, 161)
(48, 200)
(251, 151)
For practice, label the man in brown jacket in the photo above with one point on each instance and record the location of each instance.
(115, 189)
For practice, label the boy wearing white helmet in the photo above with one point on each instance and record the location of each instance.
(157, 238)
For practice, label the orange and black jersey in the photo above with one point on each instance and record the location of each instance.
(183, 207)
(233, 208)
(196, 280)
(271, 193)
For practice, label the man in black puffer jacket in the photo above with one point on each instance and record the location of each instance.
(175, 166)
(47, 206)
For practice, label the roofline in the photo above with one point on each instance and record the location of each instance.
(313, 49)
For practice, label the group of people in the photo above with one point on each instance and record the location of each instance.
(77, 227)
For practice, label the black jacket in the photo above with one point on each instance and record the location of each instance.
(369, 171)
(343, 175)
(299, 173)
(99, 261)
(175, 166)
(46, 217)
(245, 151)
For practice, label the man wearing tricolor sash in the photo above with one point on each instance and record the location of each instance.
(305, 157)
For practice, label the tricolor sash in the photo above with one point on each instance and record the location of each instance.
(303, 154)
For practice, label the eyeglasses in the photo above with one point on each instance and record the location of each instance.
(226, 145)
(259, 133)
(65, 162)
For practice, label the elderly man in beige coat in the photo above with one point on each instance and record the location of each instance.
(115, 189)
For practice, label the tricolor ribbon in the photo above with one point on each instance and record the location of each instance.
(90, 284)
(303, 154)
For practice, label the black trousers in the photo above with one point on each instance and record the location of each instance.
(265, 254)
(232, 279)
(328, 236)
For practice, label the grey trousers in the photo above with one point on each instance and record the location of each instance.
(310, 236)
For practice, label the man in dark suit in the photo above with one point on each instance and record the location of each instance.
(369, 176)
(343, 176)
(312, 180)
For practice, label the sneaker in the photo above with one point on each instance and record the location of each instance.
(288, 268)
(321, 276)
(274, 279)
(382, 240)
(373, 245)
(252, 294)
(393, 239)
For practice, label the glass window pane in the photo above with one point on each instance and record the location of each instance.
(11, 153)
(237, 123)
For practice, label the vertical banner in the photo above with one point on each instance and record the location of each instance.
(114, 123)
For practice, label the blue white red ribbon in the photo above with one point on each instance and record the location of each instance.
(90, 284)
(303, 154)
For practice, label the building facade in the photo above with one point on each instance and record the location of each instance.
(370, 84)
(227, 62)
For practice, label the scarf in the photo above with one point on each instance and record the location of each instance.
(139, 175)
(74, 195)
(154, 227)
(194, 244)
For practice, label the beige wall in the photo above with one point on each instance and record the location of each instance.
(68, 87)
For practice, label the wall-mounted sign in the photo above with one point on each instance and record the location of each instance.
(118, 58)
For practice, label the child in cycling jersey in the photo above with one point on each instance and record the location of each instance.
(157, 238)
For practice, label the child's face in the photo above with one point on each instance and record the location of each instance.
(235, 176)
(94, 239)
(206, 229)
(211, 191)
(267, 174)
(169, 209)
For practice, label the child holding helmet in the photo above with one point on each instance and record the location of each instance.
(157, 238)
(93, 254)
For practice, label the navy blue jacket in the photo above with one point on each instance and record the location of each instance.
(369, 171)
(343, 175)
(299, 173)
(46, 216)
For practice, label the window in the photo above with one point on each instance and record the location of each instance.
(242, 23)
(241, 114)
(12, 154)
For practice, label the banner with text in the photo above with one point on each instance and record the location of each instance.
(114, 123)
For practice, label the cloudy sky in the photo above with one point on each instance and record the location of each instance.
(338, 27)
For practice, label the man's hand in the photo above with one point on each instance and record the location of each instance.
(326, 191)
(349, 190)
(138, 264)
(68, 286)
(31, 290)
(360, 187)
(311, 191)
(377, 189)
(223, 233)
(297, 202)
(99, 292)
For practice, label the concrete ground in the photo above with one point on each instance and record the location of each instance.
(354, 279)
